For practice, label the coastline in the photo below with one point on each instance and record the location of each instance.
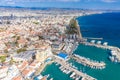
(110, 64)
(73, 48)
(42, 67)
(89, 44)
(115, 51)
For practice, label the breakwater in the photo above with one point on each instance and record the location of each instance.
(111, 48)
(87, 62)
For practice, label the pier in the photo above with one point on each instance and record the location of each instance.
(87, 62)
(93, 38)
(100, 46)
(73, 48)
(112, 48)
(67, 66)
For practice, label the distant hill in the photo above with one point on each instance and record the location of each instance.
(53, 8)
(41, 8)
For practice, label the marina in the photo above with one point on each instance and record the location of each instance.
(55, 72)
(95, 61)
(67, 66)
(96, 55)
(87, 65)
(66, 41)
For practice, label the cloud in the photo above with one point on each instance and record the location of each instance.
(19, 1)
(45, 0)
(109, 1)
(106, 1)
(11, 2)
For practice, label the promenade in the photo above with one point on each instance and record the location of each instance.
(69, 67)
(88, 62)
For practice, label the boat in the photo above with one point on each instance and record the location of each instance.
(47, 75)
(72, 74)
(51, 78)
(68, 72)
(39, 77)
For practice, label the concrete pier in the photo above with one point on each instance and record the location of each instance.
(69, 67)
(112, 48)
(93, 38)
(90, 63)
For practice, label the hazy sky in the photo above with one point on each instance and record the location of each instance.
(94, 4)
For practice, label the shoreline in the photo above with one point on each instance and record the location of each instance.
(89, 44)
(41, 69)
(73, 49)
(115, 51)
(78, 32)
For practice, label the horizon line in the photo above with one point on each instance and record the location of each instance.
(54, 8)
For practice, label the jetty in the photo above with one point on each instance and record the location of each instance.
(111, 48)
(87, 62)
(99, 45)
(73, 48)
(93, 38)
(67, 66)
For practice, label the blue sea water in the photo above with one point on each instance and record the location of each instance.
(106, 26)
(55, 72)
(112, 70)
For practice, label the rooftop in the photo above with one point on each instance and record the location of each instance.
(25, 55)
(63, 55)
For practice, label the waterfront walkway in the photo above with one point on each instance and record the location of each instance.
(69, 67)
(88, 62)
(41, 68)
(73, 48)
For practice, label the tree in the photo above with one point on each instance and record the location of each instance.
(2, 59)
(41, 37)
(36, 23)
(72, 28)
(18, 37)
(11, 61)
(6, 51)
(21, 50)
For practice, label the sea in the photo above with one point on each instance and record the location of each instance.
(106, 26)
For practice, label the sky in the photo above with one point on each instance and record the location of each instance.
(85, 4)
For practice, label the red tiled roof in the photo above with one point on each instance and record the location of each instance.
(17, 78)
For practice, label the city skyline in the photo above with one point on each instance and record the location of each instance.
(85, 4)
